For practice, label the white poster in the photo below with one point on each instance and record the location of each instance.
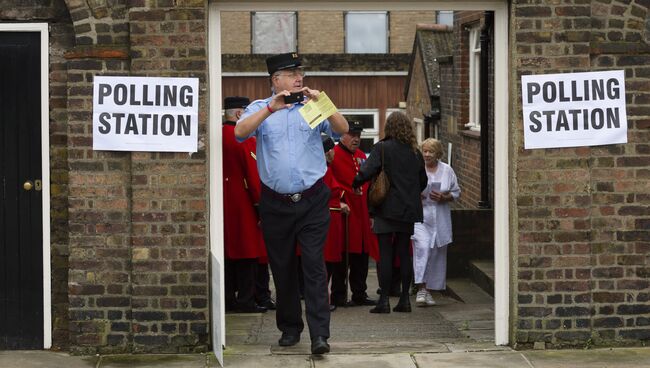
(145, 114)
(574, 109)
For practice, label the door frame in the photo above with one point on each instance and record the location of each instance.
(42, 28)
(501, 130)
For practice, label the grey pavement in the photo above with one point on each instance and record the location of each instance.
(457, 332)
(503, 358)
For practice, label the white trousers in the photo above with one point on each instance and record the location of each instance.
(430, 266)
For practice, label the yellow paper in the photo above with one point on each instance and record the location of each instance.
(314, 112)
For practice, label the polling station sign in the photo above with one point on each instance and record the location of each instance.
(145, 114)
(574, 109)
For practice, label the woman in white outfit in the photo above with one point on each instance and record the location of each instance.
(432, 236)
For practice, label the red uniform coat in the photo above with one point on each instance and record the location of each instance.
(241, 193)
(334, 242)
(345, 167)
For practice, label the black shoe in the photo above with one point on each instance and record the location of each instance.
(269, 304)
(332, 307)
(288, 339)
(383, 306)
(403, 306)
(250, 309)
(341, 303)
(319, 345)
(364, 301)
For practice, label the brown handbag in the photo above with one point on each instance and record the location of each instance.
(380, 185)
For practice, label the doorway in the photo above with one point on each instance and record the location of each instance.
(24, 204)
(501, 226)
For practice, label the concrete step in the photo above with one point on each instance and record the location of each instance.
(482, 274)
(468, 292)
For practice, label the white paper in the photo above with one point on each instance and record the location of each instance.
(574, 109)
(145, 114)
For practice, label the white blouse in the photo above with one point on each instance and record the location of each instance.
(435, 230)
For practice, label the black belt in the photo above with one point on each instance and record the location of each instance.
(294, 197)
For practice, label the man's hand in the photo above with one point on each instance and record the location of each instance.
(345, 208)
(312, 94)
(277, 102)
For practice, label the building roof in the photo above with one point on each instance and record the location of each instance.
(432, 43)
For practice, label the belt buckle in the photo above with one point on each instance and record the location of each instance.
(295, 197)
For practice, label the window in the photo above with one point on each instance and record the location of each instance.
(274, 32)
(366, 32)
(445, 17)
(474, 79)
(370, 121)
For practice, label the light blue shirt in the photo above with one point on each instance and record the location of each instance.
(290, 155)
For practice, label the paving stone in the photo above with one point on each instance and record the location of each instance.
(364, 361)
(153, 360)
(594, 358)
(500, 359)
(43, 359)
(269, 361)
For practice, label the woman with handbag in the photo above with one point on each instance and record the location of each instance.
(394, 201)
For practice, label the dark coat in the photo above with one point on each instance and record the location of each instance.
(407, 177)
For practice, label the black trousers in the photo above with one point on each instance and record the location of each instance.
(240, 275)
(358, 265)
(284, 224)
(385, 269)
(262, 291)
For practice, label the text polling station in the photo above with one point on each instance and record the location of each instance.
(145, 114)
(574, 109)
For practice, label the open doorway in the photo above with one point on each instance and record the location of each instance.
(219, 81)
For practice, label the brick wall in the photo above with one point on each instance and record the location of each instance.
(582, 219)
(402, 28)
(235, 32)
(327, 38)
(466, 145)
(138, 278)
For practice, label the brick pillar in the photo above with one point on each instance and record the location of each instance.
(99, 216)
(170, 251)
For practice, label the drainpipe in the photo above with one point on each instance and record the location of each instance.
(484, 88)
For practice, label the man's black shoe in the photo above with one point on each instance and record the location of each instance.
(319, 345)
(269, 304)
(332, 307)
(341, 303)
(364, 301)
(251, 309)
(288, 340)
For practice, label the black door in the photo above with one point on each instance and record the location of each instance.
(21, 238)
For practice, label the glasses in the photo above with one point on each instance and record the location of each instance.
(293, 73)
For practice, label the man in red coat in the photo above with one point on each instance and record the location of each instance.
(361, 240)
(243, 243)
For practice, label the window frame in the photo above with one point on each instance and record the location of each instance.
(295, 30)
(345, 30)
(474, 75)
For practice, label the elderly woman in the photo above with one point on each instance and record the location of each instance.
(394, 218)
(433, 234)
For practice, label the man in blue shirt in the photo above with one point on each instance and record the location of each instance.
(294, 203)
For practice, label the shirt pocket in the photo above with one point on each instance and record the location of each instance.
(311, 138)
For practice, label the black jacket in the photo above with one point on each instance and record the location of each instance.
(407, 177)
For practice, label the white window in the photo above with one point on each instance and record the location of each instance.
(366, 32)
(474, 79)
(274, 32)
(445, 17)
(369, 119)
